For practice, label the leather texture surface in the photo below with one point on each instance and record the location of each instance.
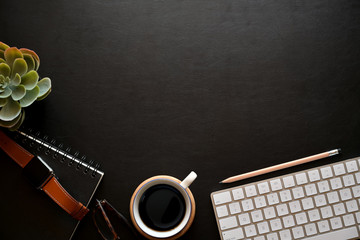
(57, 193)
(150, 87)
(14, 150)
(51, 187)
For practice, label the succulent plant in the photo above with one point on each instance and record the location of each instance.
(19, 84)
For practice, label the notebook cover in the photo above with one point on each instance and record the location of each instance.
(42, 218)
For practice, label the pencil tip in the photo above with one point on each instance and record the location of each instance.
(339, 150)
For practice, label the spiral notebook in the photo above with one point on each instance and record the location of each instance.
(42, 218)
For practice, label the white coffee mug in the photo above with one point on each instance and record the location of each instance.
(183, 188)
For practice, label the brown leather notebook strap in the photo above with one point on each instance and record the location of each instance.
(14, 150)
(52, 187)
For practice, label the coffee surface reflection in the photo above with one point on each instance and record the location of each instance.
(162, 207)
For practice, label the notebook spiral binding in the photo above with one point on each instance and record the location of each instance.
(58, 151)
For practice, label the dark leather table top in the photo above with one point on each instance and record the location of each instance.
(150, 87)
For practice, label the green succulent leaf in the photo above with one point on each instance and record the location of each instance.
(4, 81)
(34, 55)
(11, 54)
(3, 46)
(3, 101)
(30, 79)
(2, 60)
(29, 61)
(44, 85)
(6, 93)
(19, 67)
(2, 54)
(4, 69)
(12, 123)
(16, 80)
(19, 122)
(44, 96)
(10, 111)
(18, 92)
(30, 97)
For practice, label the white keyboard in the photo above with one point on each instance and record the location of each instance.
(318, 204)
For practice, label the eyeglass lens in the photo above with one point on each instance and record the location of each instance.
(117, 225)
(102, 225)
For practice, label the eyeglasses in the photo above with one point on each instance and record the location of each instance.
(109, 222)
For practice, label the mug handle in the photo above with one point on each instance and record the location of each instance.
(188, 180)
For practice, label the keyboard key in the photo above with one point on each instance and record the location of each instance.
(310, 229)
(347, 233)
(272, 236)
(269, 212)
(356, 191)
(301, 218)
(357, 215)
(285, 234)
(244, 219)
(348, 220)
(250, 191)
(326, 172)
(257, 216)
(275, 185)
(339, 169)
(285, 196)
(351, 166)
(351, 206)
(263, 227)
(295, 206)
(263, 187)
(289, 181)
(339, 209)
(323, 186)
(336, 183)
(250, 231)
(282, 209)
(314, 175)
(272, 198)
(357, 176)
(260, 202)
(247, 205)
(320, 200)
(221, 198)
(323, 226)
(326, 212)
(298, 192)
(345, 194)
(275, 224)
(310, 189)
(298, 232)
(301, 178)
(336, 223)
(260, 238)
(222, 211)
(288, 221)
(229, 222)
(333, 197)
(234, 208)
(233, 234)
(307, 203)
(348, 180)
(238, 193)
(314, 215)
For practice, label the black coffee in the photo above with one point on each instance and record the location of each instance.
(162, 207)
